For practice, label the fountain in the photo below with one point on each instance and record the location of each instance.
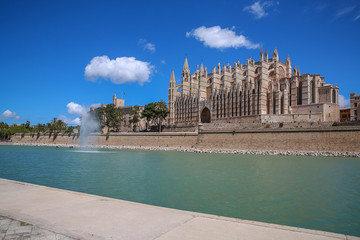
(88, 125)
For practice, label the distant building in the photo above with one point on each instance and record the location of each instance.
(126, 125)
(265, 91)
(345, 114)
(354, 107)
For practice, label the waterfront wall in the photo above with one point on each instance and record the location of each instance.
(339, 140)
(336, 139)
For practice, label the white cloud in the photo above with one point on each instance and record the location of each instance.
(80, 111)
(147, 45)
(343, 101)
(119, 70)
(150, 47)
(66, 120)
(344, 11)
(163, 62)
(75, 109)
(258, 9)
(7, 114)
(217, 37)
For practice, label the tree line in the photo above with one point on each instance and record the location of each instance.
(107, 116)
(54, 126)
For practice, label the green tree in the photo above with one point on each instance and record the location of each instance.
(3, 128)
(27, 124)
(40, 128)
(148, 113)
(99, 115)
(111, 117)
(135, 117)
(156, 113)
(60, 125)
(161, 112)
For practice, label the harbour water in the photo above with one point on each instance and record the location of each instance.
(311, 192)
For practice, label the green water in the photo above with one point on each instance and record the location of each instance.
(311, 192)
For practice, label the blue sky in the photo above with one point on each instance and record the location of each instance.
(131, 47)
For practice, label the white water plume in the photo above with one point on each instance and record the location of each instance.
(88, 125)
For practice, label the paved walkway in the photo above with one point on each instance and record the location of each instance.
(13, 229)
(84, 216)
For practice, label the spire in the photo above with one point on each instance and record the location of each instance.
(288, 62)
(186, 66)
(295, 70)
(261, 55)
(201, 68)
(276, 55)
(114, 99)
(298, 71)
(172, 78)
(266, 56)
(288, 67)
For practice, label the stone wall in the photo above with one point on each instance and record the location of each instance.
(335, 139)
(45, 138)
(170, 139)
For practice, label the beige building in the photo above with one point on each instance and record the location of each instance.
(354, 107)
(264, 91)
(126, 125)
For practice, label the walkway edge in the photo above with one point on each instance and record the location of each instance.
(7, 210)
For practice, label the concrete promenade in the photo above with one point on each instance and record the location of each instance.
(83, 216)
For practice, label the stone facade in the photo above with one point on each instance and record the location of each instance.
(126, 126)
(354, 107)
(264, 91)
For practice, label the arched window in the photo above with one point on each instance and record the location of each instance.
(282, 104)
(274, 104)
(299, 97)
(248, 104)
(232, 104)
(240, 105)
(268, 103)
(290, 94)
(228, 104)
(236, 104)
(217, 106)
(312, 94)
(333, 96)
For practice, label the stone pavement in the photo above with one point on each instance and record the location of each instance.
(12, 229)
(64, 215)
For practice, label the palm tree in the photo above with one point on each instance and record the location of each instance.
(161, 112)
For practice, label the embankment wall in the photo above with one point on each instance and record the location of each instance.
(335, 139)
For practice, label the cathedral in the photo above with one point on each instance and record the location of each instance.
(257, 92)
